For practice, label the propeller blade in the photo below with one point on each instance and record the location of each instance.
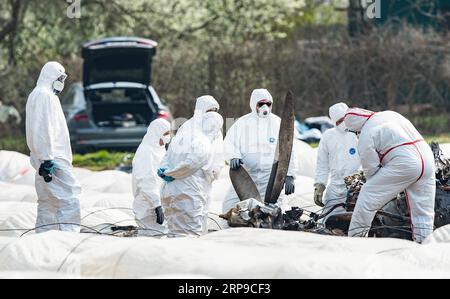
(243, 184)
(282, 157)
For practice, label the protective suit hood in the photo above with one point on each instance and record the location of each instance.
(356, 118)
(205, 103)
(337, 113)
(50, 72)
(155, 131)
(259, 95)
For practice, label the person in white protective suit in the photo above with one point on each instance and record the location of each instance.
(203, 105)
(394, 158)
(48, 140)
(146, 184)
(185, 170)
(251, 143)
(337, 158)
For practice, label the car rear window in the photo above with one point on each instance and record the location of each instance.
(117, 95)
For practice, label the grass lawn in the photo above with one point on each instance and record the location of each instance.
(101, 160)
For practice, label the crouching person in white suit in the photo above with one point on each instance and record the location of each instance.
(395, 158)
(147, 185)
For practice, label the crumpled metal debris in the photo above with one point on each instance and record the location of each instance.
(442, 204)
(253, 213)
(442, 166)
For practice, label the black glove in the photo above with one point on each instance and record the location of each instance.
(289, 185)
(235, 163)
(159, 215)
(46, 170)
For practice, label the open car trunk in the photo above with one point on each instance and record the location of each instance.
(118, 59)
(120, 107)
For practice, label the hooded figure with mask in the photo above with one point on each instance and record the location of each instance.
(251, 143)
(186, 170)
(145, 181)
(394, 158)
(206, 104)
(48, 140)
(337, 158)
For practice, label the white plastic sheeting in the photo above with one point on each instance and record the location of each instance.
(307, 157)
(16, 168)
(232, 253)
(224, 254)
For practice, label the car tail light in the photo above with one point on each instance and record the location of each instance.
(80, 117)
(163, 114)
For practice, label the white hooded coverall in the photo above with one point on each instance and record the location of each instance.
(184, 199)
(254, 140)
(48, 139)
(145, 181)
(217, 162)
(395, 158)
(337, 158)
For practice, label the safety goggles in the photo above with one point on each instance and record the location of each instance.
(264, 102)
(213, 110)
(62, 78)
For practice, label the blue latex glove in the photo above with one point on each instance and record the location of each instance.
(168, 178)
(163, 176)
(289, 185)
(161, 172)
(235, 163)
(46, 170)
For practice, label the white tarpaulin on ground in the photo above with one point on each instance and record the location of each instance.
(16, 168)
(232, 253)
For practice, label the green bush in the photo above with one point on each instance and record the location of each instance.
(438, 124)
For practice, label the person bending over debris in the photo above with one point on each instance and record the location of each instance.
(251, 142)
(48, 139)
(146, 183)
(395, 158)
(205, 104)
(337, 158)
(186, 170)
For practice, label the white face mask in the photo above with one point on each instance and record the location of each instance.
(166, 139)
(58, 86)
(264, 111)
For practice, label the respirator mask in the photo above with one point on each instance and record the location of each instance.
(264, 109)
(58, 85)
